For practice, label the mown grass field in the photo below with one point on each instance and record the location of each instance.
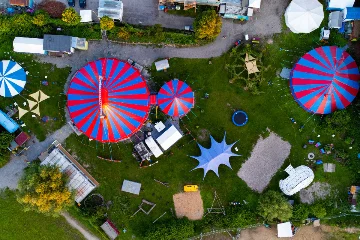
(17, 224)
(271, 110)
(53, 107)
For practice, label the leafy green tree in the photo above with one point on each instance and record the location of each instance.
(5, 140)
(43, 189)
(273, 206)
(207, 25)
(301, 212)
(41, 18)
(318, 210)
(171, 230)
(106, 23)
(71, 17)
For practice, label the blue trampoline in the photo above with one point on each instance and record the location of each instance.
(240, 118)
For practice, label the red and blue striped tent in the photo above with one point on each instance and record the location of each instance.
(108, 100)
(175, 98)
(324, 80)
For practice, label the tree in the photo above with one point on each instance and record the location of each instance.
(41, 18)
(338, 122)
(43, 189)
(71, 17)
(301, 212)
(5, 140)
(318, 210)
(273, 206)
(207, 25)
(53, 8)
(106, 23)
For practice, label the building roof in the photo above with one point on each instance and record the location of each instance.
(110, 8)
(86, 16)
(169, 138)
(28, 45)
(110, 229)
(143, 152)
(80, 180)
(162, 65)
(22, 138)
(57, 43)
(298, 178)
(254, 3)
(284, 229)
(8, 123)
(131, 187)
(22, 3)
(340, 4)
(352, 13)
(152, 145)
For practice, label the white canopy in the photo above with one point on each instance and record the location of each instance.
(169, 138)
(340, 4)
(298, 178)
(284, 230)
(28, 45)
(304, 16)
(154, 148)
(254, 3)
(86, 16)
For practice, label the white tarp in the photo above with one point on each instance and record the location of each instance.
(28, 45)
(254, 3)
(284, 229)
(169, 138)
(298, 178)
(340, 4)
(154, 148)
(86, 16)
(304, 16)
(162, 65)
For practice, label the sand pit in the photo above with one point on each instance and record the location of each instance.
(189, 204)
(266, 158)
(317, 190)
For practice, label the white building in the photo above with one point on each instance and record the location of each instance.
(111, 8)
(80, 180)
(169, 138)
(28, 45)
(339, 4)
(298, 178)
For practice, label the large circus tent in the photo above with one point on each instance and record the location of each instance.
(12, 78)
(108, 100)
(324, 80)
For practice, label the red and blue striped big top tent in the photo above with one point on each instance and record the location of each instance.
(108, 100)
(175, 98)
(324, 80)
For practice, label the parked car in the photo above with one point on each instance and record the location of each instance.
(71, 3)
(82, 3)
(189, 28)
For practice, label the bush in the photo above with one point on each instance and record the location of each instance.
(171, 230)
(71, 17)
(338, 122)
(207, 25)
(40, 18)
(318, 210)
(301, 212)
(273, 206)
(124, 33)
(5, 140)
(53, 8)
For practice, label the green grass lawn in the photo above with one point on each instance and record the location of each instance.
(270, 110)
(17, 224)
(53, 106)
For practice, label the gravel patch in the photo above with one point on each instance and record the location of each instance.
(267, 157)
(317, 190)
(189, 204)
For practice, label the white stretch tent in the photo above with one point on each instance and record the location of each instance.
(298, 178)
(304, 16)
(154, 148)
(111, 8)
(86, 16)
(28, 45)
(340, 4)
(169, 138)
(254, 3)
(284, 229)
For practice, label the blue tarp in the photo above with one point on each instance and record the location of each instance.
(8, 123)
(352, 13)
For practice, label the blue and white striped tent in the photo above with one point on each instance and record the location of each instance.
(12, 78)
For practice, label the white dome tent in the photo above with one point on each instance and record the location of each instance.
(298, 178)
(304, 16)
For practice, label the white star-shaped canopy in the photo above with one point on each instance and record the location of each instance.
(219, 153)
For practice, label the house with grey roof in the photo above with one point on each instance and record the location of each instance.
(58, 44)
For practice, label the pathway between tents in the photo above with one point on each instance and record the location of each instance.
(75, 224)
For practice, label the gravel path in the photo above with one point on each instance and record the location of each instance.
(317, 190)
(75, 224)
(267, 157)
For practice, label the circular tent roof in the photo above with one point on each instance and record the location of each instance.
(175, 98)
(324, 80)
(12, 78)
(112, 109)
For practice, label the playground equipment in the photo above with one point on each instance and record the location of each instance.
(141, 209)
(219, 209)
(240, 118)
